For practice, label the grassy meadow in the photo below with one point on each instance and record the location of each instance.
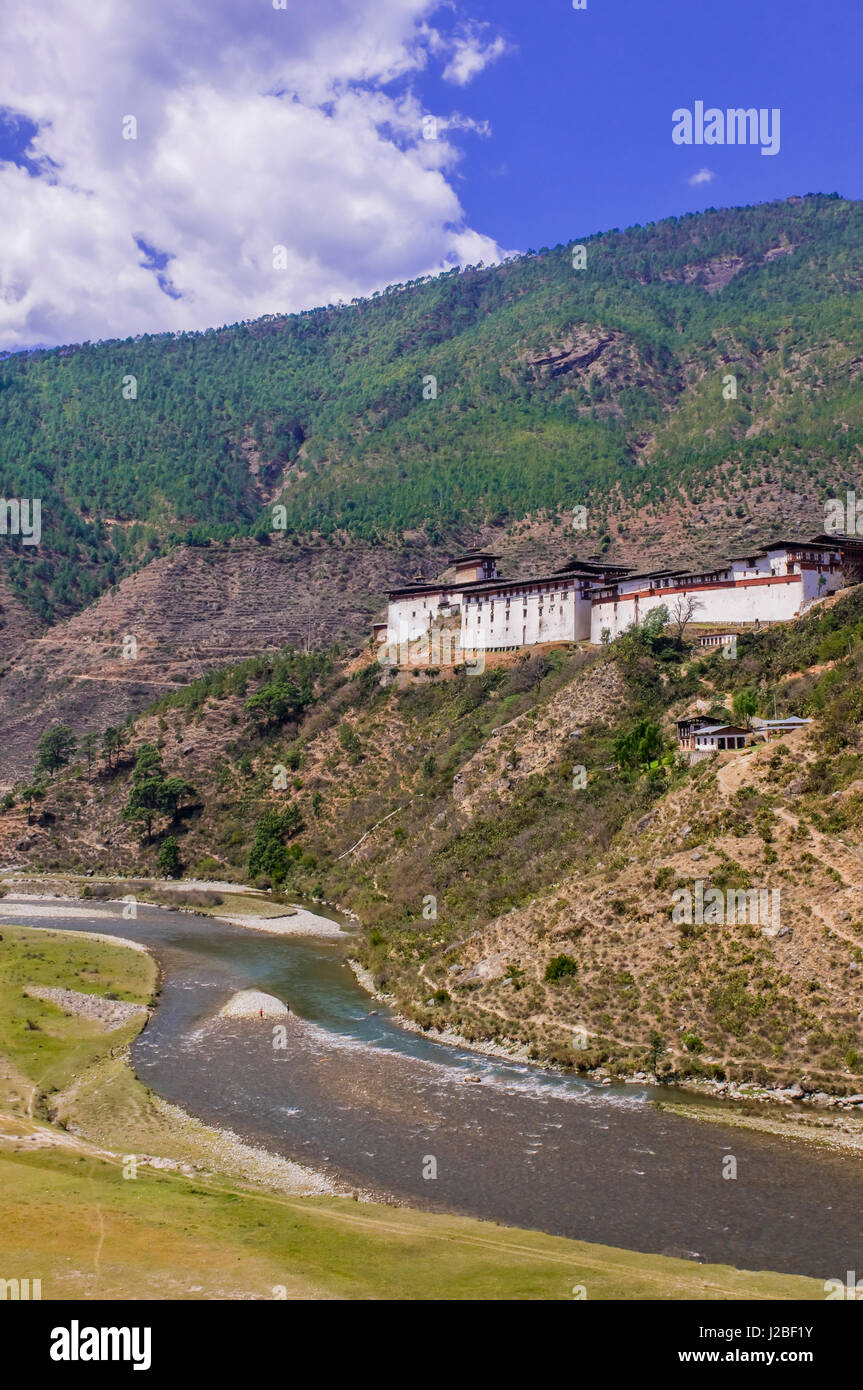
(72, 1112)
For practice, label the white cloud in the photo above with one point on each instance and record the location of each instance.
(470, 55)
(703, 176)
(257, 128)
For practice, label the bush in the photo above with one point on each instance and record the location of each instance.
(348, 739)
(191, 897)
(559, 967)
(208, 867)
(169, 862)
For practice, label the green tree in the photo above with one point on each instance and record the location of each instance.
(275, 703)
(55, 748)
(110, 745)
(122, 738)
(30, 792)
(175, 790)
(744, 704)
(269, 854)
(153, 795)
(350, 742)
(170, 864)
(656, 1052)
(639, 747)
(89, 746)
(655, 623)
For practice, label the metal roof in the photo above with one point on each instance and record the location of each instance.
(793, 719)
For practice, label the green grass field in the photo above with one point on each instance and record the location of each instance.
(88, 1233)
(69, 1216)
(43, 1047)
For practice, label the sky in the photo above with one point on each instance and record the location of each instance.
(183, 164)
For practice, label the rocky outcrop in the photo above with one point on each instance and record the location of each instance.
(491, 968)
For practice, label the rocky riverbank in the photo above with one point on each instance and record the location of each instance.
(793, 1112)
(298, 922)
(110, 1013)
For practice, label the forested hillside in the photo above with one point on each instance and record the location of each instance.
(555, 387)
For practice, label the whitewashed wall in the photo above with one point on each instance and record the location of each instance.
(410, 617)
(560, 611)
(523, 617)
(767, 599)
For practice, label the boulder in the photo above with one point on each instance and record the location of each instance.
(492, 968)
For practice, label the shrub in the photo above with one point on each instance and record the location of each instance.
(349, 741)
(208, 867)
(169, 861)
(559, 967)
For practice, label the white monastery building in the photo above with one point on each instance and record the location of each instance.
(593, 601)
(765, 586)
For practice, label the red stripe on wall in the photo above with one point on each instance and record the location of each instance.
(692, 588)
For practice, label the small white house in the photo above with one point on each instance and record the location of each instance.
(717, 738)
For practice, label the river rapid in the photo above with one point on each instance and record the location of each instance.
(374, 1106)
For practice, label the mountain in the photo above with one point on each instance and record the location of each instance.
(553, 387)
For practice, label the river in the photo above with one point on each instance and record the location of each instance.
(355, 1096)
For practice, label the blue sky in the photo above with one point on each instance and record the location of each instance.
(190, 163)
(581, 110)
